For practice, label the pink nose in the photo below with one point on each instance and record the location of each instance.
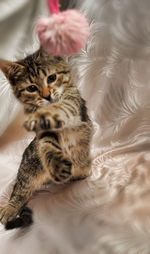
(45, 91)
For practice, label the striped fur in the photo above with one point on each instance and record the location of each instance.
(56, 112)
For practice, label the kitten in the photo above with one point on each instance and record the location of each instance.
(60, 151)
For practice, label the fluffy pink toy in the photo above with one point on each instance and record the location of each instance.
(64, 33)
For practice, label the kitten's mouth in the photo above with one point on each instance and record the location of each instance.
(48, 98)
(43, 102)
(46, 101)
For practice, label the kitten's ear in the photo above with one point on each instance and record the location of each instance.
(41, 53)
(11, 69)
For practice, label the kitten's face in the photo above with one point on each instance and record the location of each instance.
(38, 79)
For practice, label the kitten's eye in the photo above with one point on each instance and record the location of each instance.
(32, 88)
(51, 78)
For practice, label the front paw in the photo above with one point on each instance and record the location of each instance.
(8, 213)
(41, 120)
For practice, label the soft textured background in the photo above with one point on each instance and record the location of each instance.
(109, 212)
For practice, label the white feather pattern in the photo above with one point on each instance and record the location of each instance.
(109, 212)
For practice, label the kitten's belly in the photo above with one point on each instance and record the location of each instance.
(68, 139)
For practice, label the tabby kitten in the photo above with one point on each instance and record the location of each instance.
(60, 151)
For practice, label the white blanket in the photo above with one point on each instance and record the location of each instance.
(109, 212)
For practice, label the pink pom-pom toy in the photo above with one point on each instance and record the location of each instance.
(64, 33)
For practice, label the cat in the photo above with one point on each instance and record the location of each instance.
(56, 112)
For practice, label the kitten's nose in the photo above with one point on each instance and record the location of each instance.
(48, 98)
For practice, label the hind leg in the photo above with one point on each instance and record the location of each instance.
(52, 157)
(30, 177)
(78, 148)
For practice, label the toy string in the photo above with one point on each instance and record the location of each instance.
(53, 6)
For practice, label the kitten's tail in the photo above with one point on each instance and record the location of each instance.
(23, 220)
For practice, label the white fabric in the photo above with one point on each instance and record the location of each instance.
(109, 212)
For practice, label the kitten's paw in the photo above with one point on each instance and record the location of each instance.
(50, 121)
(61, 170)
(31, 123)
(7, 214)
(43, 120)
